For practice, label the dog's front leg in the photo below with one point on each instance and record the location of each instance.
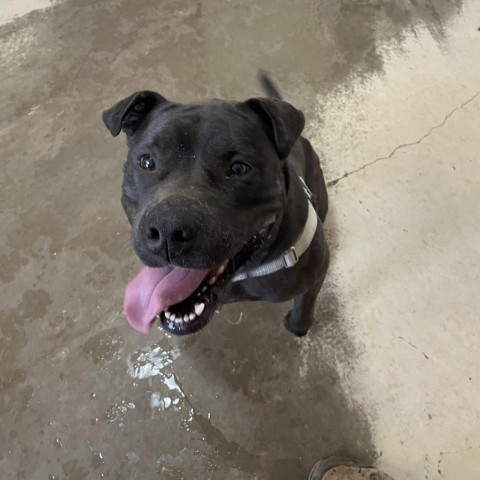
(299, 320)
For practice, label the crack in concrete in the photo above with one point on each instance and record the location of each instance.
(415, 347)
(331, 183)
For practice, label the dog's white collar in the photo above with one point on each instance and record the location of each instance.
(291, 256)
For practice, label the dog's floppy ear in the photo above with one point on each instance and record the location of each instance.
(129, 113)
(284, 122)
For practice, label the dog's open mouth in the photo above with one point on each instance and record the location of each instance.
(193, 313)
(183, 299)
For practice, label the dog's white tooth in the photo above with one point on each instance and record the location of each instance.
(199, 308)
(192, 316)
(178, 320)
(221, 270)
(186, 318)
(212, 280)
(167, 314)
(204, 289)
(173, 317)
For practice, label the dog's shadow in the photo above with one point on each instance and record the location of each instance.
(275, 403)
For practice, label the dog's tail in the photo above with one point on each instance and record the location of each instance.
(268, 85)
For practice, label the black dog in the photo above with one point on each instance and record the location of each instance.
(223, 199)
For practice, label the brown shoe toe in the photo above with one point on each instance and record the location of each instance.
(337, 468)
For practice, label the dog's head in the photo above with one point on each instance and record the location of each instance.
(203, 183)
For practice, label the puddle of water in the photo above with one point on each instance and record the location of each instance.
(157, 402)
(155, 365)
(171, 383)
(186, 423)
(150, 362)
(97, 460)
(117, 411)
(104, 346)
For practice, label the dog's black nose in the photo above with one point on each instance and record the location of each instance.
(172, 236)
(170, 233)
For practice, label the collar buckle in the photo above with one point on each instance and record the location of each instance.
(290, 257)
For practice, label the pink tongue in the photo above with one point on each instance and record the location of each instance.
(154, 289)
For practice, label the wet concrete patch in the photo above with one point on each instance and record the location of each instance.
(13, 341)
(104, 346)
(74, 471)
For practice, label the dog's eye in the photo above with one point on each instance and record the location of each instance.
(239, 168)
(146, 162)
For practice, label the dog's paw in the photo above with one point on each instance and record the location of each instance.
(294, 326)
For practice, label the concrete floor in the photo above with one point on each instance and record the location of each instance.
(390, 371)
